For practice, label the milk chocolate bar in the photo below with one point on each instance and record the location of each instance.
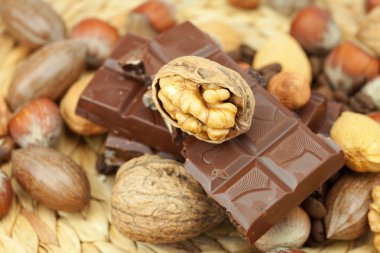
(115, 101)
(259, 176)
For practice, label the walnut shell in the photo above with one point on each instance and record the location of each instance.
(154, 200)
(197, 76)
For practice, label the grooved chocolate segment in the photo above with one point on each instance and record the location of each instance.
(319, 114)
(259, 176)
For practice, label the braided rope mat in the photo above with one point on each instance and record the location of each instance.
(30, 227)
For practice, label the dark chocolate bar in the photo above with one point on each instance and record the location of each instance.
(259, 176)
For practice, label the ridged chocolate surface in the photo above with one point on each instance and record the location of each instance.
(259, 176)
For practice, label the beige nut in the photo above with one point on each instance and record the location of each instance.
(369, 30)
(155, 200)
(291, 89)
(358, 136)
(203, 98)
(67, 107)
(286, 51)
(374, 216)
(222, 33)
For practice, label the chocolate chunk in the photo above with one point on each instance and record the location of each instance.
(319, 114)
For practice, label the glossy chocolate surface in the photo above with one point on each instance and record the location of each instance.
(259, 176)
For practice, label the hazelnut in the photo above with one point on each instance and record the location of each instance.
(6, 146)
(291, 89)
(36, 123)
(315, 29)
(150, 18)
(349, 65)
(5, 115)
(6, 194)
(371, 4)
(245, 4)
(375, 116)
(99, 38)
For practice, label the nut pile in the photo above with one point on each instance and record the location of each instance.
(154, 199)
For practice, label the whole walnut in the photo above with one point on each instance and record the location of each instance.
(154, 200)
(203, 98)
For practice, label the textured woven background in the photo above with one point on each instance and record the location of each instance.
(31, 227)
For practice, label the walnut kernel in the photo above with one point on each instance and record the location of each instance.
(203, 98)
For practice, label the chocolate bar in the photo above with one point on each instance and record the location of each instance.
(319, 114)
(259, 176)
(115, 101)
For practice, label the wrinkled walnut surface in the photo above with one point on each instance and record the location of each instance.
(203, 98)
(154, 200)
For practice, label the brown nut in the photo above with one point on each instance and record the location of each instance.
(245, 4)
(292, 231)
(348, 65)
(36, 123)
(291, 89)
(371, 4)
(51, 178)
(315, 29)
(347, 205)
(6, 194)
(33, 22)
(67, 107)
(99, 37)
(151, 18)
(155, 200)
(5, 115)
(203, 98)
(314, 208)
(48, 72)
(6, 147)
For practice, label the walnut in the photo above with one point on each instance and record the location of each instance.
(203, 98)
(374, 216)
(154, 200)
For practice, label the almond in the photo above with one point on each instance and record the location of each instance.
(48, 72)
(33, 22)
(347, 205)
(51, 178)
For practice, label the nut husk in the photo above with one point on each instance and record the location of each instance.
(33, 22)
(48, 72)
(154, 200)
(51, 178)
(197, 71)
(347, 205)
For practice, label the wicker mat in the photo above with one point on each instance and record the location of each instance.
(30, 227)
